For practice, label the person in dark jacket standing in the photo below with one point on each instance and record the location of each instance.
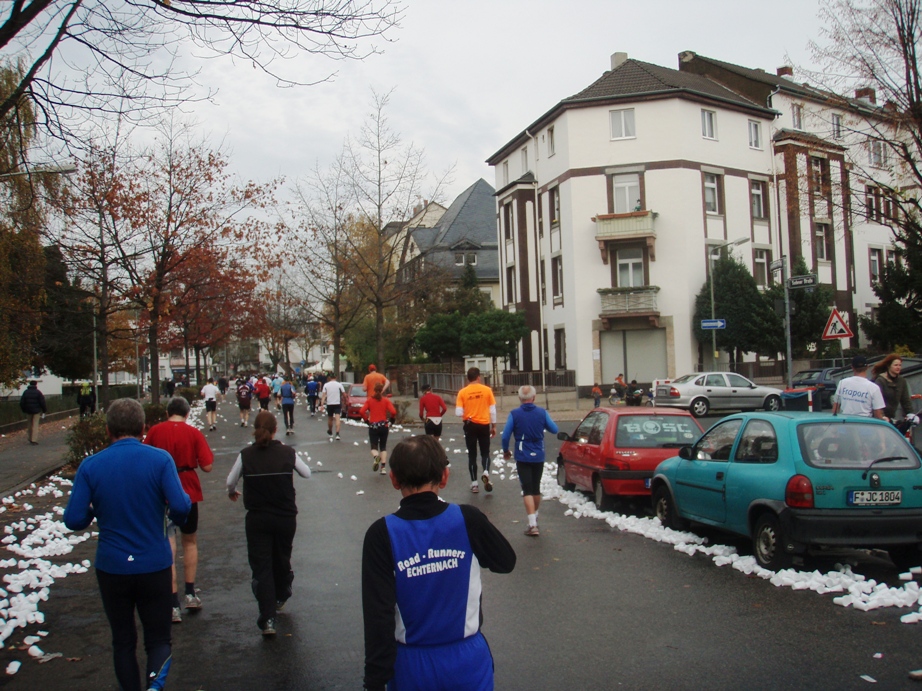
(893, 387)
(86, 399)
(267, 468)
(527, 424)
(32, 403)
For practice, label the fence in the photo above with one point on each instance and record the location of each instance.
(508, 382)
(761, 370)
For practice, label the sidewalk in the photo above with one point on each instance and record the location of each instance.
(22, 463)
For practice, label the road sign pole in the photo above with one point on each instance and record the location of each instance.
(787, 320)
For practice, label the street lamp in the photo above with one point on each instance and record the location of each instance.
(52, 168)
(711, 251)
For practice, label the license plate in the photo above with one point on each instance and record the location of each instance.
(646, 482)
(875, 497)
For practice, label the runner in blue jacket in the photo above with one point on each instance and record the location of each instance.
(527, 424)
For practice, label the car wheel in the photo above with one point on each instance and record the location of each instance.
(603, 502)
(664, 509)
(768, 543)
(562, 476)
(904, 557)
(699, 407)
(773, 403)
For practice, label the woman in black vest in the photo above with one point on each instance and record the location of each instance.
(267, 468)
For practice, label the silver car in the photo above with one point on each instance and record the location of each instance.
(700, 393)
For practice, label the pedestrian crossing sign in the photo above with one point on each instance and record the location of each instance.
(836, 327)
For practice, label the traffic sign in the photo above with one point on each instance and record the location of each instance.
(836, 327)
(802, 281)
(777, 264)
(708, 324)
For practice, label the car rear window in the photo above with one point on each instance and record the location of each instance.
(650, 431)
(357, 390)
(852, 444)
(684, 378)
(809, 375)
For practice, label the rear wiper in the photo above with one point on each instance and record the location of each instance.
(673, 445)
(864, 475)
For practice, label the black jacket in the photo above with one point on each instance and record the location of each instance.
(32, 401)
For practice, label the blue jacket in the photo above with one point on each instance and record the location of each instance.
(288, 393)
(127, 488)
(527, 424)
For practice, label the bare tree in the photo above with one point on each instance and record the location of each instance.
(120, 55)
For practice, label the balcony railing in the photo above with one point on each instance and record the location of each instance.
(629, 302)
(629, 226)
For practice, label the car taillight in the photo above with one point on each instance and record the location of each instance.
(799, 493)
(674, 392)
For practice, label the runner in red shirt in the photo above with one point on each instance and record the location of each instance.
(263, 393)
(189, 450)
(431, 409)
(377, 412)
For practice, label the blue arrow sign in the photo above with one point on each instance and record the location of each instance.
(708, 324)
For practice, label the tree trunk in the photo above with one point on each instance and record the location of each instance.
(379, 337)
(155, 361)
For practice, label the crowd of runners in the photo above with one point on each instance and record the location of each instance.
(136, 559)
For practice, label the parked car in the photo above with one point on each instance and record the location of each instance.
(355, 399)
(791, 481)
(614, 451)
(820, 379)
(706, 391)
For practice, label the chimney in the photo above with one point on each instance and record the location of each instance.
(785, 71)
(866, 94)
(617, 59)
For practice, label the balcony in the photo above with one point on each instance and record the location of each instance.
(636, 225)
(622, 303)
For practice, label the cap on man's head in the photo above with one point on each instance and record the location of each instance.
(426, 387)
(859, 362)
(371, 368)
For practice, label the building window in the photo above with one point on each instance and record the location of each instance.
(891, 256)
(877, 153)
(560, 349)
(524, 159)
(819, 175)
(876, 260)
(821, 239)
(758, 197)
(551, 149)
(505, 172)
(557, 279)
(760, 263)
(553, 196)
(471, 259)
(630, 268)
(797, 116)
(879, 208)
(708, 124)
(755, 134)
(626, 193)
(510, 285)
(459, 258)
(622, 124)
(507, 221)
(836, 126)
(712, 193)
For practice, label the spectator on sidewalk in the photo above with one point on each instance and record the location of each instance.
(129, 488)
(189, 450)
(597, 394)
(858, 395)
(526, 426)
(423, 563)
(32, 403)
(86, 399)
(267, 467)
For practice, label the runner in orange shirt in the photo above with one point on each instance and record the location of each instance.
(476, 406)
(374, 377)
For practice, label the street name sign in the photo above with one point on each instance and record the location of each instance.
(804, 281)
(708, 324)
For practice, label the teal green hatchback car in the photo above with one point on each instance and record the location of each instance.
(792, 481)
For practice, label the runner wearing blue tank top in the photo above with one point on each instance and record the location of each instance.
(421, 582)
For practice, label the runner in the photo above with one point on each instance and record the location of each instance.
(189, 450)
(332, 398)
(374, 377)
(378, 411)
(276, 386)
(287, 392)
(263, 393)
(210, 394)
(312, 389)
(244, 396)
(431, 409)
(477, 407)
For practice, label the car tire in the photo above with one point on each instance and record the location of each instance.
(562, 476)
(664, 509)
(699, 407)
(773, 403)
(603, 501)
(768, 543)
(904, 557)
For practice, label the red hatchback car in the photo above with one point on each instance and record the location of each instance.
(614, 451)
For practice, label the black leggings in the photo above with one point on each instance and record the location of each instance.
(152, 595)
(377, 438)
(474, 435)
(288, 410)
(269, 540)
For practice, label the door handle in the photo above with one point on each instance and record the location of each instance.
(720, 476)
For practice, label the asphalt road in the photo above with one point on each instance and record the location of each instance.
(587, 607)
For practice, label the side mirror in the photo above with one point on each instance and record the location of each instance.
(687, 453)
(563, 436)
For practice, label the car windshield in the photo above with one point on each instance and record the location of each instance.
(805, 376)
(357, 390)
(684, 379)
(855, 445)
(651, 431)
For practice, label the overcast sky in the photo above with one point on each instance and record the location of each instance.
(469, 75)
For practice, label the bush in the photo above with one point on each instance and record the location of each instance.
(154, 413)
(86, 436)
(403, 412)
(189, 393)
